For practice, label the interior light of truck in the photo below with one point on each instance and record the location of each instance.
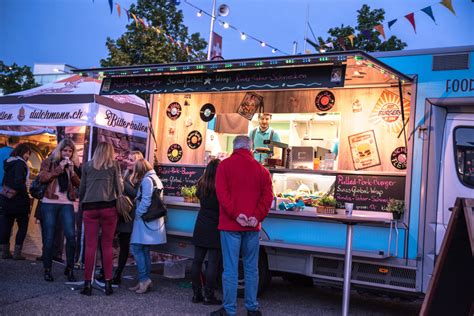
(274, 62)
(173, 68)
(258, 64)
(229, 65)
(200, 67)
(290, 61)
(147, 69)
(357, 57)
(306, 60)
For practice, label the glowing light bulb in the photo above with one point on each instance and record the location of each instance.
(274, 50)
(263, 44)
(199, 14)
(243, 36)
(226, 25)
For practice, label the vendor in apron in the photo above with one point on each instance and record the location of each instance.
(260, 134)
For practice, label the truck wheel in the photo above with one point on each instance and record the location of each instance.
(264, 275)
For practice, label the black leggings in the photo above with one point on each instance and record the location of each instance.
(6, 225)
(212, 269)
(124, 243)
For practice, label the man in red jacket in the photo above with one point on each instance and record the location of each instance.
(244, 191)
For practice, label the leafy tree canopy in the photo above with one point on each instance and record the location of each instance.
(15, 78)
(141, 46)
(366, 37)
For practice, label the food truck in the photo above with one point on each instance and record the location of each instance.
(351, 128)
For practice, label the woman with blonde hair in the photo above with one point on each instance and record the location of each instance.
(145, 234)
(100, 184)
(124, 228)
(59, 172)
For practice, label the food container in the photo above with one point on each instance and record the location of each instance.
(320, 209)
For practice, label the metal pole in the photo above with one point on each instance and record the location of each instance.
(346, 292)
(295, 47)
(306, 28)
(213, 19)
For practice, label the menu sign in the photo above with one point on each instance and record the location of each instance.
(368, 192)
(242, 80)
(175, 177)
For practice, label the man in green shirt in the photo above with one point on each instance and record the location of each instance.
(261, 133)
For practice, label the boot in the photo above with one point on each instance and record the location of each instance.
(197, 294)
(210, 297)
(48, 277)
(87, 290)
(69, 273)
(108, 287)
(144, 287)
(117, 279)
(6, 254)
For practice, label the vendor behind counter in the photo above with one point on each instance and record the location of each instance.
(261, 133)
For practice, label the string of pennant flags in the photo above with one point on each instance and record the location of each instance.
(140, 22)
(244, 35)
(381, 29)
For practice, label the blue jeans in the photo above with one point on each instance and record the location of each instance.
(141, 253)
(49, 213)
(231, 243)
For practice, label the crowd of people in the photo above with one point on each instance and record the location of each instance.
(232, 206)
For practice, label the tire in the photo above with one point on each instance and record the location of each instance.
(264, 275)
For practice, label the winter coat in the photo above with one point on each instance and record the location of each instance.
(206, 234)
(153, 232)
(99, 185)
(243, 186)
(15, 176)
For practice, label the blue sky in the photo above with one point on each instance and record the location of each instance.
(74, 32)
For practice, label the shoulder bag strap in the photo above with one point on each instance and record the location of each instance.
(253, 137)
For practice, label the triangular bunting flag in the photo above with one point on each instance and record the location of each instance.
(111, 5)
(429, 12)
(449, 5)
(390, 23)
(411, 18)
(330, 44)
(367, 34)
(379, 28)
(128, 14)
(118, 8)
(351, 38)
(341, 42)
(135, 18)
(143, 23)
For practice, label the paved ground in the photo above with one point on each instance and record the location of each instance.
(23, 291)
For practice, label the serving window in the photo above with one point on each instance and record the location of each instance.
(464, 155)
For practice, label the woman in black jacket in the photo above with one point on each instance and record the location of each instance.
(17, 207)
(124, 228)
(206, 238)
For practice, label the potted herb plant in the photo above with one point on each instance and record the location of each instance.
(326, 205)
(186, 193)
(396, 207)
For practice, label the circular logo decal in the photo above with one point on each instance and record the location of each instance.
(207, 112)
(399, 158)
(175, 153)
(194, 139)
(390, 112)
(324, 100)
(174, 110)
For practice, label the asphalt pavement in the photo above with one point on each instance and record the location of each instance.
(24, 292)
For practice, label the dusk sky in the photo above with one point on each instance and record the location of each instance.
(74, 32)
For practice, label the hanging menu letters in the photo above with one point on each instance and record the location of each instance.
(368, 192)
(242, 80)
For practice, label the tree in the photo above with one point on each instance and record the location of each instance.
(367, 38)
(141, 45)
(15, 78)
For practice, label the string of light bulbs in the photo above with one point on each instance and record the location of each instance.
(226, 25)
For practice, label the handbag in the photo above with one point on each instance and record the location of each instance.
(8, 192)
(37, 188)
(157, 208)
(123, 203)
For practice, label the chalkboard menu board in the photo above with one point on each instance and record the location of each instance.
(175, 177)
(368, 192)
